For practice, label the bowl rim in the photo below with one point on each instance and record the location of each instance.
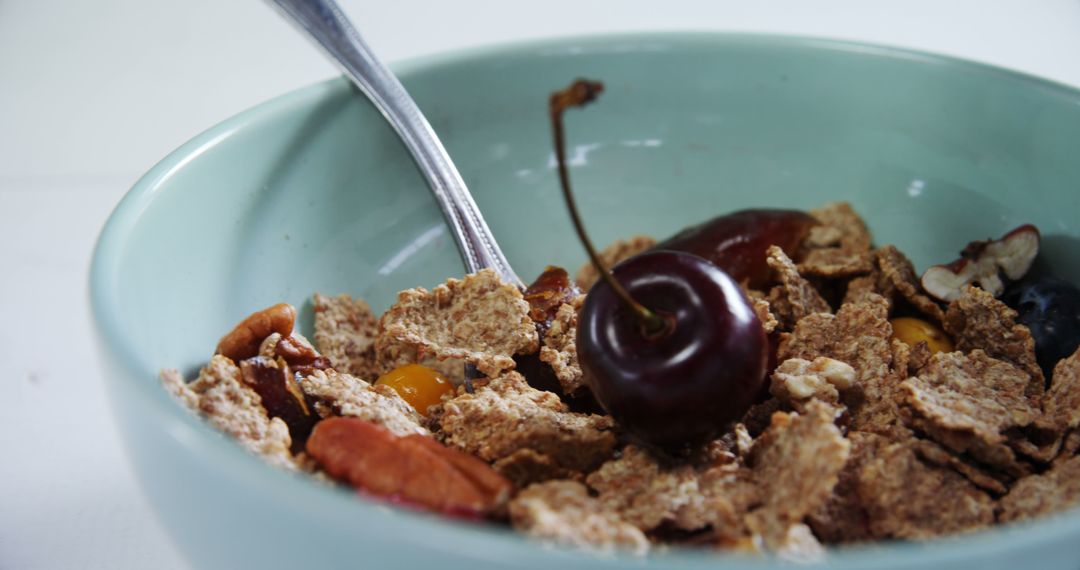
(479, 541)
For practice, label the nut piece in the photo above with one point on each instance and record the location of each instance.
(244, 340)
(981, 261)
(413, 468)
(798, 381)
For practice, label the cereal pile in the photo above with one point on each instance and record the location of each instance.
(868, 431)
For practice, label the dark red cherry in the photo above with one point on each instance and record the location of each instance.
(686, 384)
(736, 242)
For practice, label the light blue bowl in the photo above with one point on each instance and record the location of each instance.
(313, 192)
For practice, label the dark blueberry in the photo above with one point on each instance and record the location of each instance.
(1050, 307)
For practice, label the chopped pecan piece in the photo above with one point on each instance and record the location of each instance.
(244, 340)
(413, 468)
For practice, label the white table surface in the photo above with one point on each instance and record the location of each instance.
(92, 93)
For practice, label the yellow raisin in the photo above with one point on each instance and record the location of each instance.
(418, 385)
(911, 331)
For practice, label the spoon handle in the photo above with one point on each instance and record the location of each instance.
(324, 22)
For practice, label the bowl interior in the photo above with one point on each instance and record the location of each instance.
(313, 192)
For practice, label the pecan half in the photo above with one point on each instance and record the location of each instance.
(301, 356)
(414, 469)
(244, 340)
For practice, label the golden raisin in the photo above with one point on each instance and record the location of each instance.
(911, 331)
(418, 385)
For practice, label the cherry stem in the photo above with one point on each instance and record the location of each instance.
(581, 92)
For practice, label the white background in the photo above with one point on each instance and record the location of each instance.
(92, 93)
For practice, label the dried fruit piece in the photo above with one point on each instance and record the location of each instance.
(912, 331)
(413, 468)
(280, 396)
(982, 261)
(418, 385)
(564, 513)
(736, 242)
(346, 395)
(551, 290)
(390, 354)
(244, 340)
(479, 319)
(1050, 308)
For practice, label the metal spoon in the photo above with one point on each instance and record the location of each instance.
(324, 22)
